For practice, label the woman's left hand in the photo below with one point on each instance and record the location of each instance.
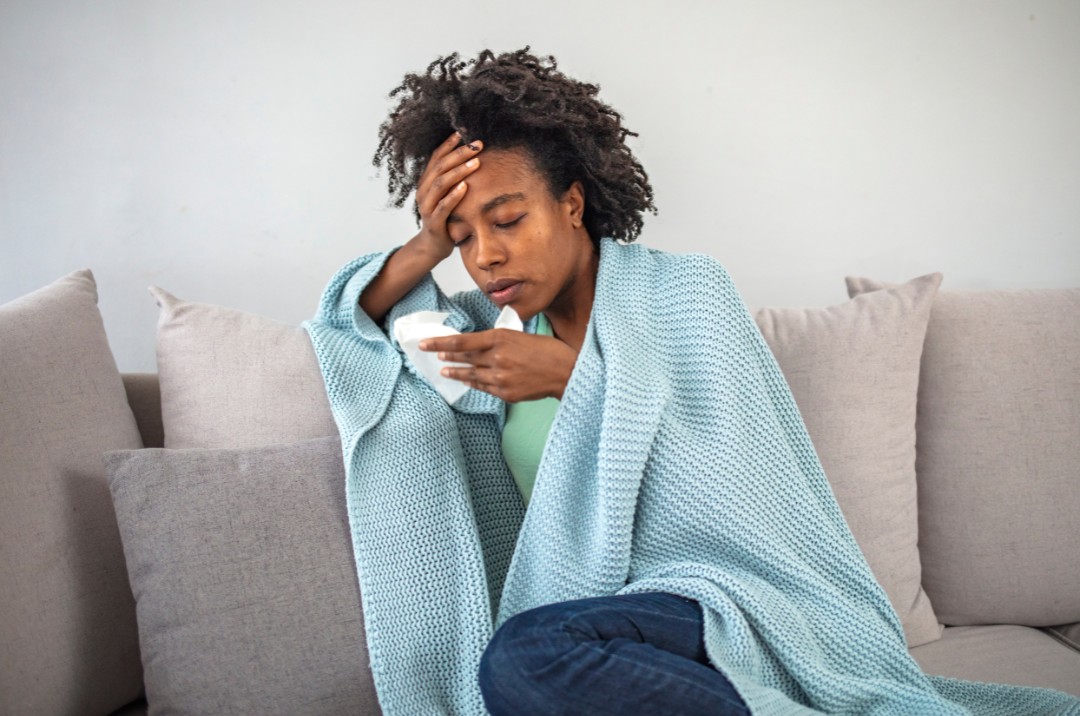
(511, 365)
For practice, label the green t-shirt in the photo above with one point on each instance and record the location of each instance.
(526, 429)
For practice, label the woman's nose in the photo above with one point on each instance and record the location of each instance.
(489, 250)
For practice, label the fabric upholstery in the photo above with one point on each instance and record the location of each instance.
(135, 708)
(854, 371)
(1066, 633)
(241, 564)
(144, 397)
(234, 379)
(68, 642)
(1003, 653)
(998, 456)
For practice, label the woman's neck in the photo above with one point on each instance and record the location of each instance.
(569, 313)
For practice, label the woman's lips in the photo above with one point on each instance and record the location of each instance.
(507, 294)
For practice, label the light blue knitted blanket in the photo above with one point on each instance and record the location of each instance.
(677, 462)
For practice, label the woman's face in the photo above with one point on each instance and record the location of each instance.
(508, 227)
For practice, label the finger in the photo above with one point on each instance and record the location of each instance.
(480, 340)
(480, 359)
(446, 147)
(436, 168)
(449, 194)
(459, 155)
(462, 374)
(431, 166)
(446, 189)
(440, 211)
(478, 379)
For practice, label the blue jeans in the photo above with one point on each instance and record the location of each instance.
(626, 655)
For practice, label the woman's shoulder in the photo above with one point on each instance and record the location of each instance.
(677, 269)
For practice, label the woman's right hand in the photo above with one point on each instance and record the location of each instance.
(439, 190)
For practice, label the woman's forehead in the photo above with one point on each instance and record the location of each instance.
(504, 176)
(515, 164)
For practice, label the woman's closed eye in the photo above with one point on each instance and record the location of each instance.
(503, 225)
(508, 224)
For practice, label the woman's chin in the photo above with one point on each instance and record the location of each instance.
(524, 312)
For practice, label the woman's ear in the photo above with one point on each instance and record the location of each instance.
(574, 201)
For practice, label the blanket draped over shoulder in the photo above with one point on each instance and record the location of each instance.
(677, 462)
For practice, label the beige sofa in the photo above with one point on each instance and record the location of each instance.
(216, 575)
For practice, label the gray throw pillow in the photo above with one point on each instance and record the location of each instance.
(242, 568)
(68, 641)
(999, 445)
(234, 379)
(853, 369)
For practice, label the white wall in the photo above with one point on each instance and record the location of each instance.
(222, 150)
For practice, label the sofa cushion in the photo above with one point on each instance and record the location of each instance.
(854, 371)
(144, 397)
(999, 482)
(135, 708)
(241, 564)
(1066, 633)
(68, 641)
(1003, 654)
(235, 379)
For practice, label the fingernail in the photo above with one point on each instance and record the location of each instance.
(475, 146)
(445, 372)
(423, 345)
(442, 355)
(472, 163)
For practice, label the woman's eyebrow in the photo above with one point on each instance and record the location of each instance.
(497, 201)
(500, 200)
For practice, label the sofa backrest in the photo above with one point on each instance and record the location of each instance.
(144, 397)
(996, 421)
(998, 436)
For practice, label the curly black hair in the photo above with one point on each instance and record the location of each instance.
(517, 100)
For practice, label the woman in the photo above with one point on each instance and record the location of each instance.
(524, 199)
(682, 552)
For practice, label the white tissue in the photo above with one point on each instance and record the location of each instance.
(411, 329)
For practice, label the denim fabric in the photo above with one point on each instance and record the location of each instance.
(625, 654)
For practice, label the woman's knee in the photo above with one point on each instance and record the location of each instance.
(521, 647)
(519, 639)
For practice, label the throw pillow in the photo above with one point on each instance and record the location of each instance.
(854, 371)
(68, 641)
(234, 379)
(999, 497)
(241, 564)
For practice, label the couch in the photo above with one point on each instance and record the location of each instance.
(177, 542)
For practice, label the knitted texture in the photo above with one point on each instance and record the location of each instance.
(677, 462)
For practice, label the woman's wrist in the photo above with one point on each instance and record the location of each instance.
(404, 268)
(432, 251)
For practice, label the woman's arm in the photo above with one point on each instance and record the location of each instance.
(439, 190)
(401, 272)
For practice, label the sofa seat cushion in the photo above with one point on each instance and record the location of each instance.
(245, 584)
(68, 638)
(853, 369)
(1003, 653)
(998, 459)
(1068, 633)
